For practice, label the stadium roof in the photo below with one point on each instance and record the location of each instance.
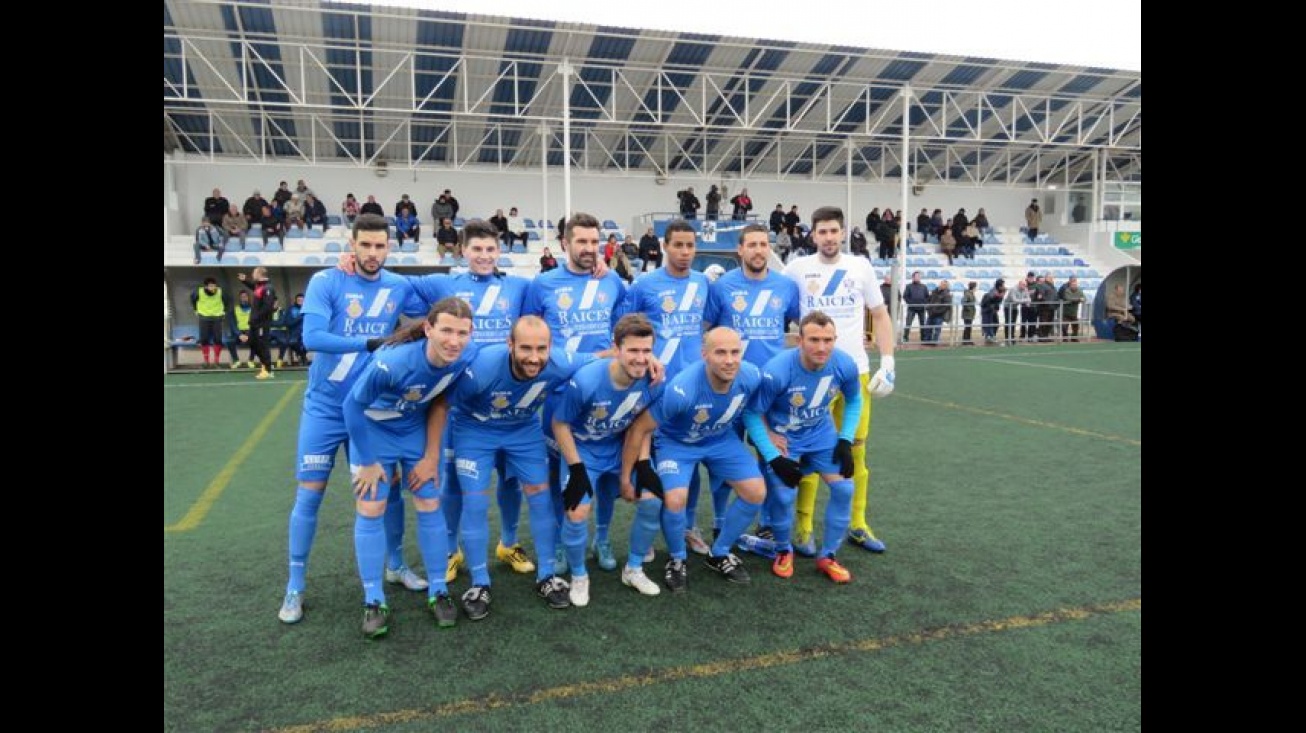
(342, 84)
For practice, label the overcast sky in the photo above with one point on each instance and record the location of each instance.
(1106, 33)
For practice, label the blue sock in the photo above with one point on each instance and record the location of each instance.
(573, 538)
(605, 505)
(739, 515)
(509, 494)
(544, 528)
(433, 541)
(778, 512)
(838, 515)
(691, 501)
(303, 525)
(673, 529)
(369, 551)
(720, 498)
(394, 530)
(555, 489)
(647, 517)
(476, 536)
(451, 505)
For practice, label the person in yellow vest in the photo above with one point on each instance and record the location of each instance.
(238, 333)
(211, 306)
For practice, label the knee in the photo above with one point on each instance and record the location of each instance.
(371, 509)
(675, 500)
(752, 491)
(579, 514)
(425, 505)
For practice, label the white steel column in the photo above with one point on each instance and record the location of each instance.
(565, 71)
(544, 181)
(900, 268)
(849, 216)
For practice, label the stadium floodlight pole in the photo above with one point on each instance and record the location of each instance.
(900, 269)
(565, 70)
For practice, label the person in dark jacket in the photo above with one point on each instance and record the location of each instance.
(713, 204)
(915, 295)
(262, 306)
(743, 204)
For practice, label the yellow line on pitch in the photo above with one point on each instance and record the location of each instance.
(1021, 418)
(487, 703)
(202, 505)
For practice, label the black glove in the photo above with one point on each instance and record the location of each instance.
(787, 469)
(843, 455)
(647, 479)
(578, 486)
(374, 344)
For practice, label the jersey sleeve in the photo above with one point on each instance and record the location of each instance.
(570, 402)
(713, 309)
(870, 288)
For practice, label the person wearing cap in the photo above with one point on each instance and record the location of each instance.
(1033, 219)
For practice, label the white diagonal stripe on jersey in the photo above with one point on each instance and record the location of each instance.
(439, 387)
(591, 290)
(735, 402)
(342, 369)
(487, 300)
(760, 304)
(669, 350)
(382, 415)
(573, 343)
(687, 300)
(626, 405)
(822, 387)
(743, 347)
(530, 395)
(378, 302)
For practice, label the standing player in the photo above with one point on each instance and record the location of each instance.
(798, 386)
(386, 415)
(345, 318)
(590, 417)
(759, 304)
(844, 287)
(694, 422)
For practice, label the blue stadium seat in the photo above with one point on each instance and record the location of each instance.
(459, 222)
(408, 260)
(315, 233)
(295, 233)
(312, 261)
(332, 246)
(932, 274)
(391, 221)
(334, 220)
(408, 246)
(533, 235)
(518, 248)
(251, 260)
(505, 262)
(610, 224)
(254, 245)
(330, 261)
(530, 223)
(274, 245)
(234, 245)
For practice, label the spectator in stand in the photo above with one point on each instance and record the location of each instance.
(610, 249)
(713, 203)
(630, 251)
(688, 203)
(742, 203)
(453, 203)
(215, 207)
(784, 244)
(886, 290)
(938, 312)
(547, 261)
(981, 221)
(500, 223)
(936, 222)
(446, 239)
(857, 243)
(294, 212)
(515, 229)
(405, 203)
(968, 300)
(1071, 297)
(210, 238)
(272, 226)
(279, 211)
(282, 194)
(253, 208)
(302, 188)
(349, 210)
(1019, 297)
(777, 222)
(442, 208)
(1117, 306)
(407, 226)
(989, 306)
(233, 225)
(887, 237)
(650, 250)
(211, 306)
(948, 244)
(314, 212)
(873, 220)
(1033, 219)
(915, 295)
(372, 207)
(923, 224)
(801, 244)
(792, 219)
(1047, 307)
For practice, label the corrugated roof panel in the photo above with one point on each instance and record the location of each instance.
(1085, 82)
(440, 30)
(965, 74)
(904, 68)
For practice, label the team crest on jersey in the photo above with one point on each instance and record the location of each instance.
(602, 297)
(776, 303)
(700, 417)
(354, 309)
(501, 304)
(599, 412)
(797, 399)
(564, 300)
(389, 307)
(499, 402)
(668, 304)
(414, 393)
(739, 303)
(813, 287)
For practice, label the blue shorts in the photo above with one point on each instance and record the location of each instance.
(600, 480)
(477, 454)
(403, 449)
(427, 490)
(726, 459)
(816, 453)
(321, 433)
